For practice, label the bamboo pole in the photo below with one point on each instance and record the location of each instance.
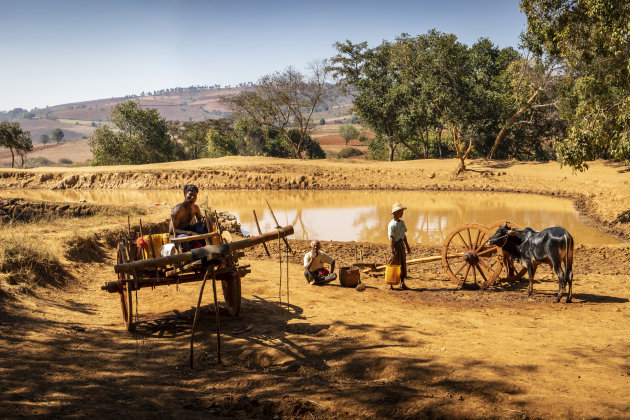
(420, 260)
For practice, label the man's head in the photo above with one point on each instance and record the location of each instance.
(190, 193)
(315, 246)
(397, 210)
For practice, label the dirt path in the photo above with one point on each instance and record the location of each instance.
(430, 351)
(334, 352)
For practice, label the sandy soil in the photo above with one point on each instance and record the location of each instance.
(301, 351)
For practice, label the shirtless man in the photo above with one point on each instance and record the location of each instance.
(183, 215)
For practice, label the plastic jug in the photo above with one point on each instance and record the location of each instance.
(392, 274)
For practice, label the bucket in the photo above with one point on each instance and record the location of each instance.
(392, 274)
(159, 239)
(349, 276)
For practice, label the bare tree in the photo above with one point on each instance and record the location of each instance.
(285, 101)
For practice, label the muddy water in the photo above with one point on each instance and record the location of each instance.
(361, 215)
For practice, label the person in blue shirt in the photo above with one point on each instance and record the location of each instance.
(396, 230)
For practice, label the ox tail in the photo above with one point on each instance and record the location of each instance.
(568, 259)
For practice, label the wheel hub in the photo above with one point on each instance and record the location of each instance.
(471, 257)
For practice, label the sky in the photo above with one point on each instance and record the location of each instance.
(54, 52)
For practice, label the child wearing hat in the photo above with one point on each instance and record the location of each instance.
(396, 230)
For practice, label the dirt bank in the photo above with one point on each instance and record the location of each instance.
(602, 194)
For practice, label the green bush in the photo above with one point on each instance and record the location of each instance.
(65, 161)
(347, 152)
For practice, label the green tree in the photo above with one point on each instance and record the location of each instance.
(322, 122)
(141, 136)
(15, 139)
(286, 101)
(44, 139)
(348, 132)
(57, 135)
(593, 38)
(368, 73)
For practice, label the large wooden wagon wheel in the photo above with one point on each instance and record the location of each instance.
(467, 258)
(513, 274)
(126, 299)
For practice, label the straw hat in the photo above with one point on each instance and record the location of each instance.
(397, 207)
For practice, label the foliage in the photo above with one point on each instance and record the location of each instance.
(65, 161)
(15, 139)
(348, 132)
(44, 139)
(285, 101)
(141, 137)
(322, 122)
(347, 152)
(593, 39)
(57, 135)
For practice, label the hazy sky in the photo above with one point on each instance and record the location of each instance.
(59, 51)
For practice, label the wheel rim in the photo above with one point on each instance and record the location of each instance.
(467, 258)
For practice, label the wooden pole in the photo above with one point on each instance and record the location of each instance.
(278, 226)
(418, 261)
(209, 251)
(260, 233)
(216, 314)
(192, 330)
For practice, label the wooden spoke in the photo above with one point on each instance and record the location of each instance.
(126, 300)
(466, 244)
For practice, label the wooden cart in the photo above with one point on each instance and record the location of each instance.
(136, 273)
(466, 257)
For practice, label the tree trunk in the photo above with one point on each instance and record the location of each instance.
(509, 123)
(390, 146)
(439, 142)
(12, 157)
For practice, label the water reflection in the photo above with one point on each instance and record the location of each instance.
(360, 215)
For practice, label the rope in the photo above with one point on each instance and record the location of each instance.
(280, 261)
(288, 306)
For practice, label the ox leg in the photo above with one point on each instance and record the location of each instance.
(570, 296)
(557, 267)
(531, 271)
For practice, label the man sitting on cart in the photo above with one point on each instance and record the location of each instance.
(182, 217)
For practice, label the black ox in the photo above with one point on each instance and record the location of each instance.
(531, 248)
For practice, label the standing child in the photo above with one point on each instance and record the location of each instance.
(396, 230)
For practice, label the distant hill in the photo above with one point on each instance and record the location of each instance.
(79, 119)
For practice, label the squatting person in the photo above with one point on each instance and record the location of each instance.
(314, 269)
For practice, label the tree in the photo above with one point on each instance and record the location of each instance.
(141, 137)
(285, 101)
(15, 139)
(593, 39)
(322, 122)
(348, 132)
(57, 135)
(371, 78)
(44, 139)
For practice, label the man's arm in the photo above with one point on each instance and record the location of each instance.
(391, 244)
(407, 244)
(332, 266)
(308, 261)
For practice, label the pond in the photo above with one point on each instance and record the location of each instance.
(360, 215)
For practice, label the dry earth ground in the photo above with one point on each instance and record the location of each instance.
(333, 352)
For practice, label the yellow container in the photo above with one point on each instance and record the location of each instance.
(159, 239)
(392, 274)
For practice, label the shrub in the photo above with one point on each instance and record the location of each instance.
(347, 152)
(65, 161)
(29, 264)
